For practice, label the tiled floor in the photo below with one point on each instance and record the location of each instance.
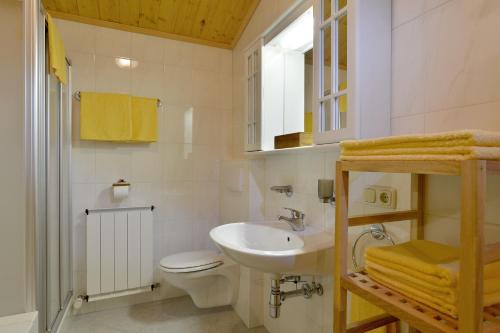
(177, 315)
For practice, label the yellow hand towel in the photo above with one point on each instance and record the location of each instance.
(362, 309)
(446, 139)
(57, 55)
(105, 117)
(144, 119)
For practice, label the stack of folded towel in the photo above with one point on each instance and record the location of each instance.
(427, 272)
(458, 145)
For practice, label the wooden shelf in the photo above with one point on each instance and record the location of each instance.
(414, 313)
(473, 252)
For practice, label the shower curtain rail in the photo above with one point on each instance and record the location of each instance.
(77, 96)
(87, 211)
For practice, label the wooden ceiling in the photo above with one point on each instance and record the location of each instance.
(217, 23)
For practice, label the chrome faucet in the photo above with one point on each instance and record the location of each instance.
(296, 221)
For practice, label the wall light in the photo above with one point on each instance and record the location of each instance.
(126, 63)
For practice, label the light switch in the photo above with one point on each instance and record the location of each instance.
(370, 195)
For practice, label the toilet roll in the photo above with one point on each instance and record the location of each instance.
(120, 192)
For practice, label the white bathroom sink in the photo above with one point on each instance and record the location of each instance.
(272, 247)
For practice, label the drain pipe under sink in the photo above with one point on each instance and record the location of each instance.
(277, 297)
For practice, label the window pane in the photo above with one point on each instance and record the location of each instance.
(249, 65)
(326, 116)
(327, 60)
(327, 9)
(342, 111)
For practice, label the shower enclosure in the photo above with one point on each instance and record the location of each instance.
(53, 236)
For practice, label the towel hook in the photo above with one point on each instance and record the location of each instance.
(377, 232)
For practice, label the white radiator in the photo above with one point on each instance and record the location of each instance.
(119, 250)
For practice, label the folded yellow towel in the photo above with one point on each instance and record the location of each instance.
(57, 55)
(427, 272)
(144, 119)
(444, 139)
(490, 285)
(105, 117)
(430, 261)
(435, 300)
(362, 309)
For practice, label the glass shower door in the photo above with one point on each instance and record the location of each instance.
(53, 198)
(58, 199)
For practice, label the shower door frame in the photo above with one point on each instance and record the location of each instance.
(36, 169)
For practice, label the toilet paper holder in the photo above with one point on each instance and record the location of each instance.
(120, 189)
(121, 182)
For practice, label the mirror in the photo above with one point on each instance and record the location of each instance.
(287, 81)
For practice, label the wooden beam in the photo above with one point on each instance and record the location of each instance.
(451, 168)
(341, 243)
(383, 217)
(492, 253)
(124, 27)
(470, 284)
(417, 202)
(493, 167)
(371, 323)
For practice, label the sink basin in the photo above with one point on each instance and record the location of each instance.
(272, 247)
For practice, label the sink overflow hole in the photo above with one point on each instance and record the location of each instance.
(288, 238)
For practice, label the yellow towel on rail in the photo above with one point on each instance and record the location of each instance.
(105, 117)
(362, 309)
(144, 119)
(57, 55)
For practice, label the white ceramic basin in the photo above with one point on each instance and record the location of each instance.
(272, 247)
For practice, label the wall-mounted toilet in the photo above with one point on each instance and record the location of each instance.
(210, 278)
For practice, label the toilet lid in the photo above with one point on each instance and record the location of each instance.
(191, 261)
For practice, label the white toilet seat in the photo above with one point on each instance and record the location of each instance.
(194, 261)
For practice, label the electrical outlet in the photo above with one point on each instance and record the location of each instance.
(380, 196)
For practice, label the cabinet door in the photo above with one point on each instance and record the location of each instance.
(334, 116)
(253, 128)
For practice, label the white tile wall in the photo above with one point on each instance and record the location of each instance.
(179, 174)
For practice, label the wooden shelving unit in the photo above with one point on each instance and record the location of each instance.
(474, 254)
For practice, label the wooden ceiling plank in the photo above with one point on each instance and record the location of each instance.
(238, 13)
(167, 15)
(200, 17)
(226, 28)
(67, 6)
(49, 4)
(139, 30)
(244, 23)
(187, 16)
(109, 10)
(129, 12)
(148, 17)
(215, 16)
(88, 8)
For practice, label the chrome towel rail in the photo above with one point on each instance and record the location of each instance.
(87, 211)
(77, 96)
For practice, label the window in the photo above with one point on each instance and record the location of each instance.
(333, 65)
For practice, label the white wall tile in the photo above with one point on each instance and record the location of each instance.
(178, 54)
(148, 80)
(147, 48)
(109, 78)
(178, 86)
(113, 43)
(77, 36)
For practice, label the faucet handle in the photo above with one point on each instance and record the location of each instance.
(295, 213)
